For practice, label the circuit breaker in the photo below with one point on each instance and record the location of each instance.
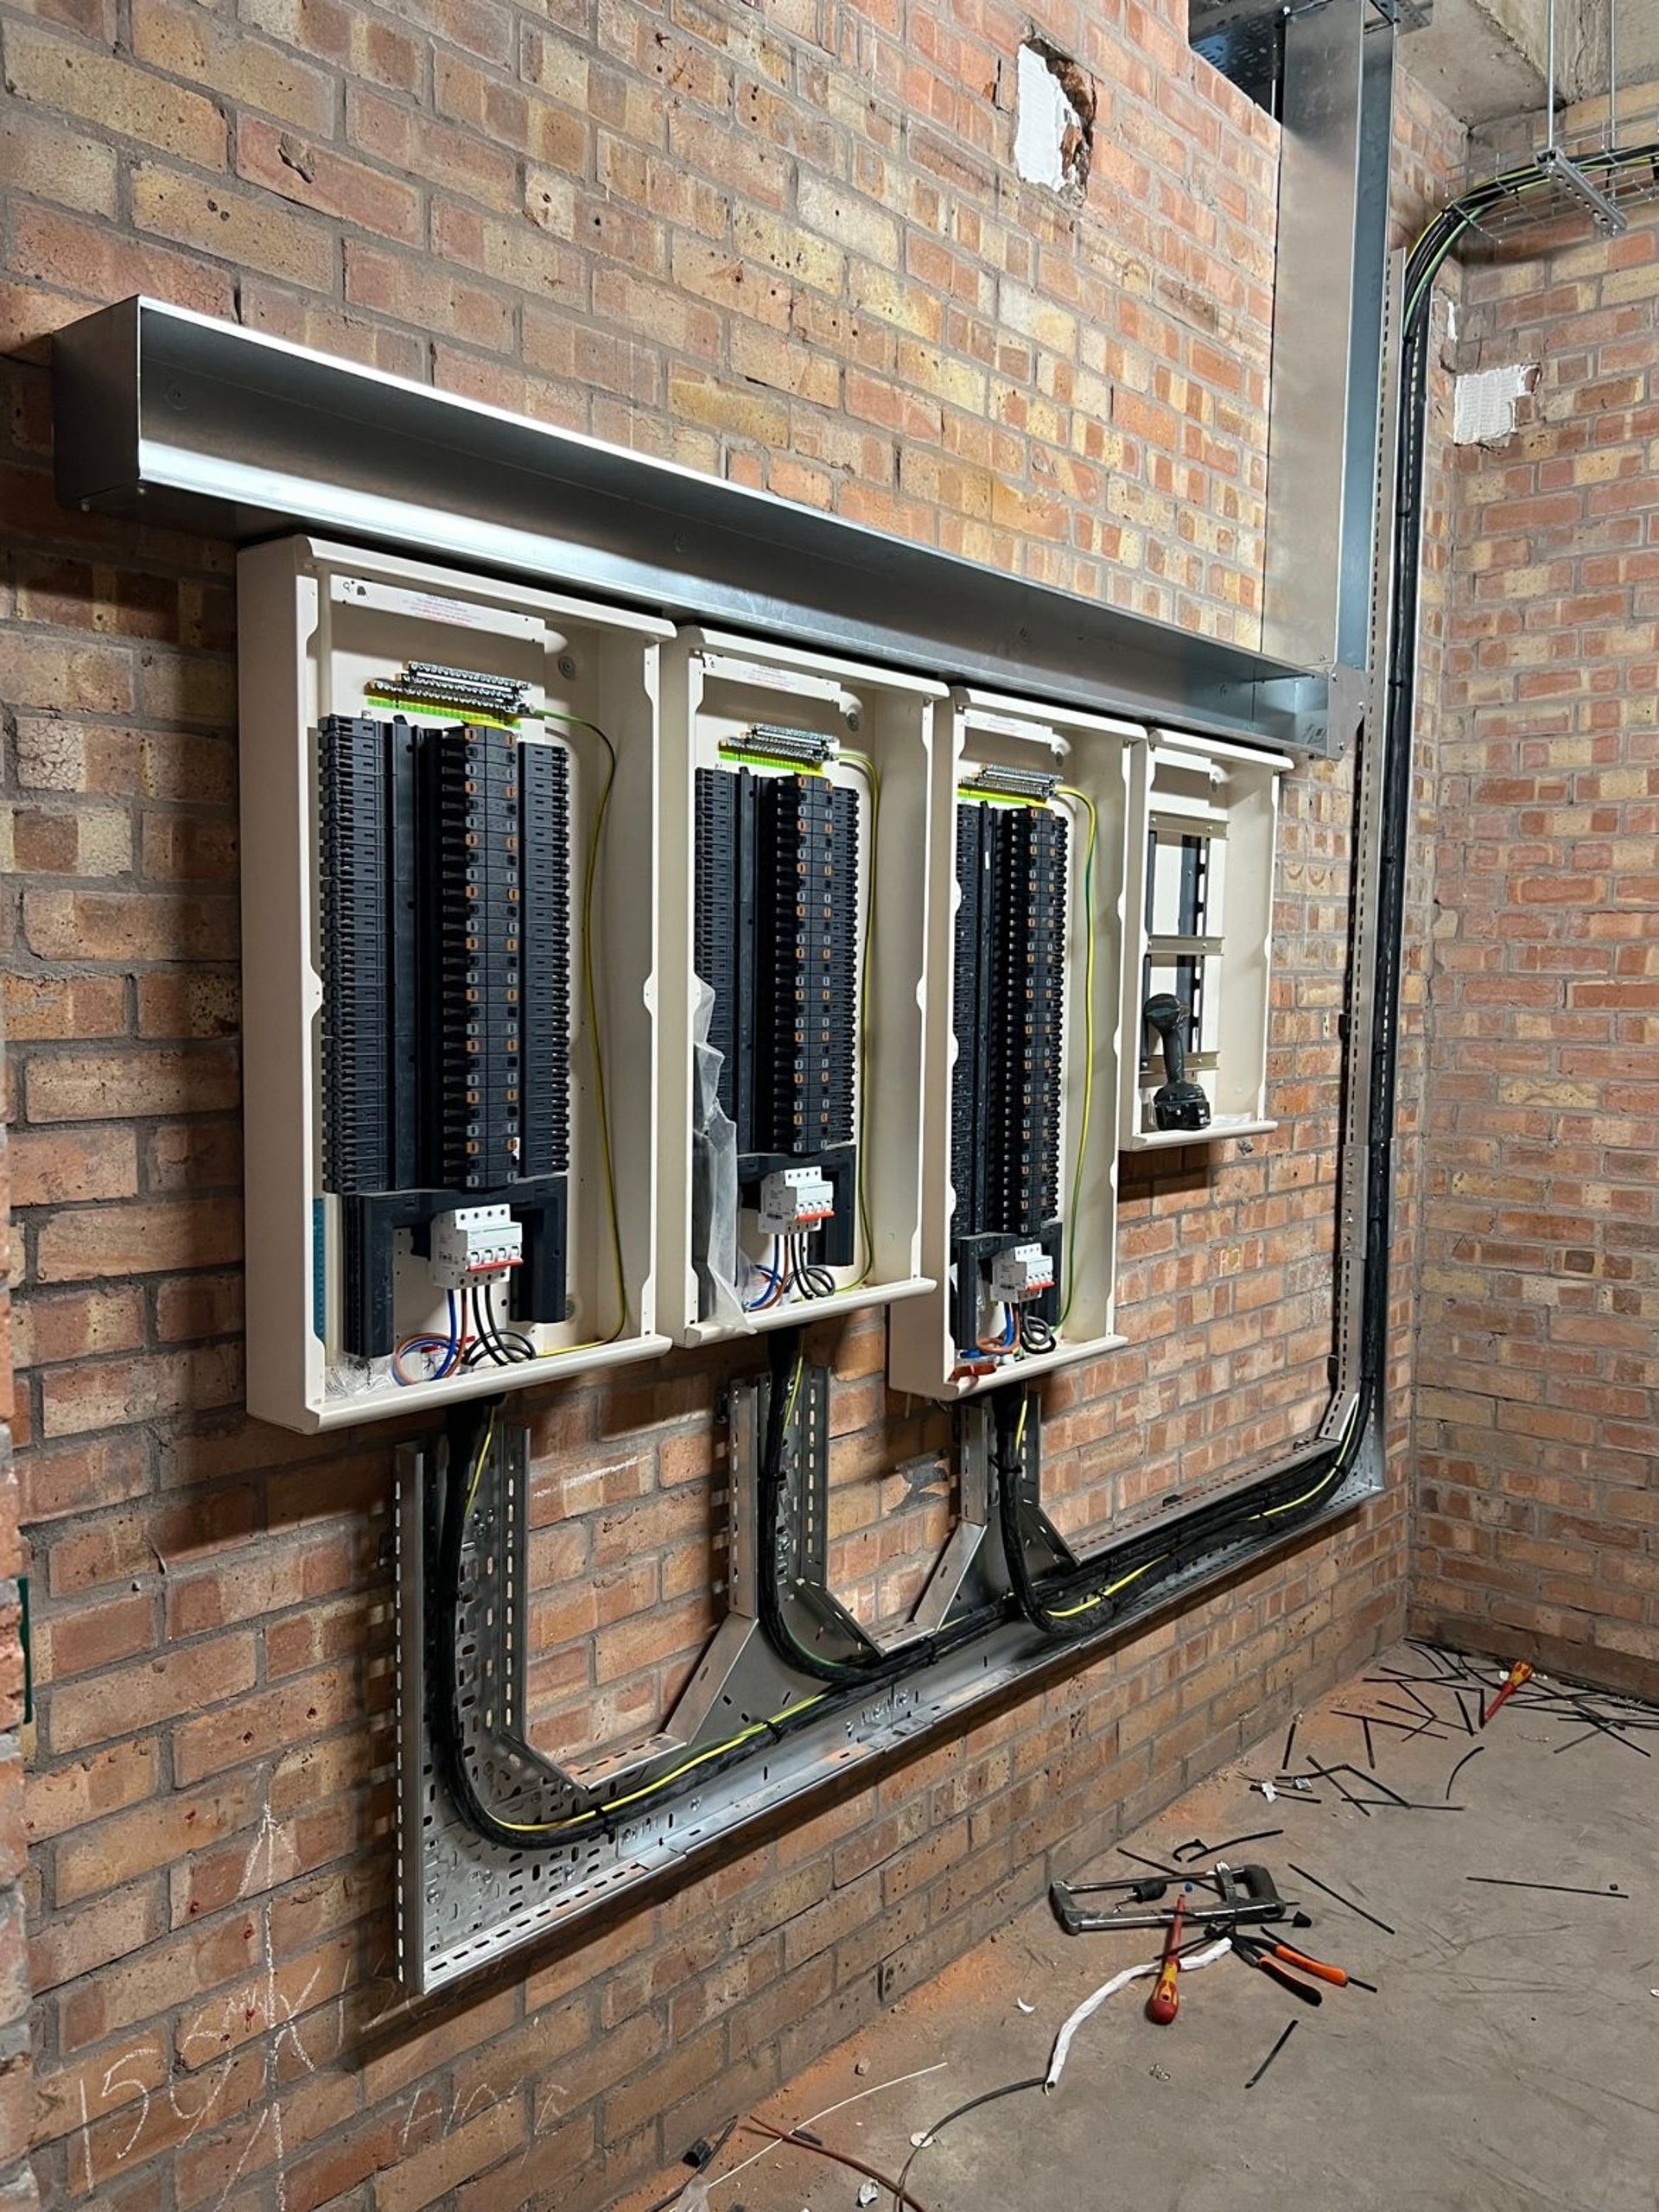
(1009, 1006)
(445, 892)
(807, 863)
(776, 939)
(450, 802)
(1020, 1170)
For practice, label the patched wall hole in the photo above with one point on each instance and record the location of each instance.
(1054, 119)
(1483, 402)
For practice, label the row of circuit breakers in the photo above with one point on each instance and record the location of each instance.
(500, 893)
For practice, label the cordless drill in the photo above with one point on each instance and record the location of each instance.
(1176, 1103)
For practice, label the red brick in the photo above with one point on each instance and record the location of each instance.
(124, 1849)
(75, 1943)
(243, 1730)
(311, 175)
(559, 173)
(71, 1796)
(111, 1086)
(127, 926)
(75, 1478)
(112, 95)
(129, 1699)
(164, 1235)
(94, 1636)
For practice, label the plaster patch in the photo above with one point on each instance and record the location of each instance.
(1054, 117)
(1482, 404)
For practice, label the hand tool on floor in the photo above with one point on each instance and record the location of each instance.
(1321, 1969)
(1259, 1956)
(1520, 1673)
(1166, 1999)
(1245, 1897)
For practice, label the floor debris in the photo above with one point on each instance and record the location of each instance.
(1289, 2029)
(1419, 1756)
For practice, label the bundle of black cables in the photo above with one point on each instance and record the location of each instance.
(1297, 1493)
(1086, 1599)
(870, 1666)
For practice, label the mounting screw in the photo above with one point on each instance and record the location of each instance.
(853, 720)
(566, 666)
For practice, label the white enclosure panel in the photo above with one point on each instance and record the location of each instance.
(1199, 915)
(318, 623)
(1089, 756)
(718, 689)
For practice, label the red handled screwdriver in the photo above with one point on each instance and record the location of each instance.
(1521, 1672)
(1166, 1999)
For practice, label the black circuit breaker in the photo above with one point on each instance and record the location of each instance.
(445, 910)
(777, 942)
(1007, 1010)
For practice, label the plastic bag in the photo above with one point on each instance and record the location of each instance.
(713, 1175)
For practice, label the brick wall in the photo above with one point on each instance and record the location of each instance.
(790, 249)
(1538, 1473)
(18, 2189)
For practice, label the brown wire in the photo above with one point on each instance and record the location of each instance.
(841, 2158)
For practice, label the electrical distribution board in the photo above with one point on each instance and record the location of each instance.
(791, 1187)
(1020, 1217)
(445, 899)
(448, 803)
(899, 927)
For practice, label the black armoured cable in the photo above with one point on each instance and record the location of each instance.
(1126, 1573)
(1136, 1566)
(869, 1668)
(471, 1438)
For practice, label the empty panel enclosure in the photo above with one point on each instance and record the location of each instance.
(791, 1181)
(1020, 1172)
(448, 806)
(1203, 820)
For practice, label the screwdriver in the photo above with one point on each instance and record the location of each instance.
(1166, 1999)
(1520, 1673)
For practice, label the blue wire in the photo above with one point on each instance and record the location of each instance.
(449, 1346)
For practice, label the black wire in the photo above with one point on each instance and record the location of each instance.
(1173, 1545)
(1036, 1334)
(512, 1341)
(697, 2165)
(1178, 1543)
(484, 1348)
(512, 1349)
(874, 1666)
(813, 1280)
(871, 1665)
(1009, 2089)
(468, 1431)
(468, 1427)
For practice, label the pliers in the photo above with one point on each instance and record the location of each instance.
(1263, 1955)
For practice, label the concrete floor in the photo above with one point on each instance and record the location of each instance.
(1510, 2062)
